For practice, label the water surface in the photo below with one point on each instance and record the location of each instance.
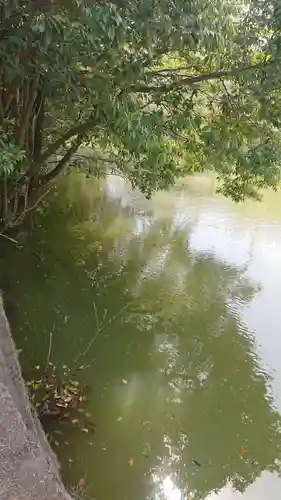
(175, 303)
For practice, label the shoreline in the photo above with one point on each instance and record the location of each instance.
(29, 467)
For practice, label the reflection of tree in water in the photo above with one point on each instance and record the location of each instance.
(206, 355)
(208, 394)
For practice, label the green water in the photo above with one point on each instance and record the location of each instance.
(175, 303)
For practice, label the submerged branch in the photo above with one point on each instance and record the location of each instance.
(99, 330)
(12, 240)
(49, 352)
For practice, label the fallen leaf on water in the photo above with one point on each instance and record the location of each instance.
(85, 430)
(124, 381)
(81, 483)
(119, 419)
(244, 449)
(131, 462)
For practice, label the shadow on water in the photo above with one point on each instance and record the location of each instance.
(181, 401)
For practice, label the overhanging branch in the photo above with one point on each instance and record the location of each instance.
(80, 130)
(63, 162)
(190, 80)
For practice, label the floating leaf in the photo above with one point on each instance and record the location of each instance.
(124, 381)
(119, 419)
(85, 430)
(131, 462)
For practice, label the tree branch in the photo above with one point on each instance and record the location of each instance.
(169, 70)
(80, 130)
(2, 116)
(63, 162)
(190, 80)
(27, 112)
(39, 124)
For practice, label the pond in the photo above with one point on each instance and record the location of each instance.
(171, 308)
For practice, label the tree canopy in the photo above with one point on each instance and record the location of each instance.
(159, 88)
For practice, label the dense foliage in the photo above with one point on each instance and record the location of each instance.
(158, 88)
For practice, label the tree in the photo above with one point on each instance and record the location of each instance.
(161, 88)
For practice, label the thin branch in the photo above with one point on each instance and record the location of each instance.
(29, 209)
(169, 70)
(39, 125)
(96, 315)
(38, 200)
(2, 116)
(49, 351)
(102, 327)
(8, 103)
(188, 81)
(175, 134)
(10, 239)
(5, 196)
(229, 98)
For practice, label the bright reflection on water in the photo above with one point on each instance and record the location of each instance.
(166, 489)
(187, 289)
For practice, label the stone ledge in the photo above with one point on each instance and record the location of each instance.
(28, 467)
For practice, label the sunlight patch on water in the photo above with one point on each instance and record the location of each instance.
(170, 491)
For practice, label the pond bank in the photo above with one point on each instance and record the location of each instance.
(28, 465)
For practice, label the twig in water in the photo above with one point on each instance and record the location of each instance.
(49, 351)
(104, 316)
(96, 315)
(10, 239)
(81, 354)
